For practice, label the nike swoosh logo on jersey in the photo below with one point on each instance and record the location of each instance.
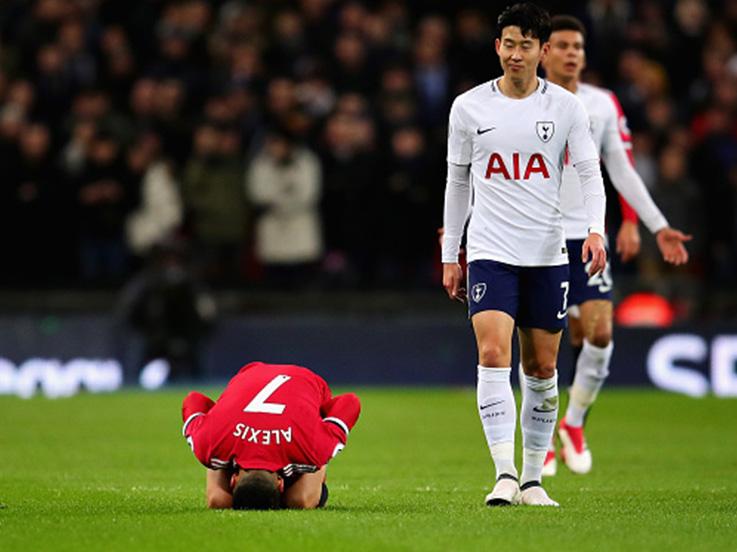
(485, 406)
(484, 130)
(543, 410)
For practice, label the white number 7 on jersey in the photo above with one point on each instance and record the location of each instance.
(259, 404)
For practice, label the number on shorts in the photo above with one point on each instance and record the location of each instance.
(603, 279)
(259, 404)
(566, 288)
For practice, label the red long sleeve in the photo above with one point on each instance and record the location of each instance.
(196, 403)
(342, 410)
(628, 213)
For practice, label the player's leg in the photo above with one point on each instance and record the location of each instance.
(218, 489)
(550, 466)
(575, 338)
(592, 295)
(492, 305)
(592, 369)
(495, 400)
(539, 412)
(575, 333)
(308, 491)
(583, 288)
(541, 320)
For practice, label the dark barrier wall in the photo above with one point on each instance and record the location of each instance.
(90, 351)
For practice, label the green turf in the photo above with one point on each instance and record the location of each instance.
(113, 473)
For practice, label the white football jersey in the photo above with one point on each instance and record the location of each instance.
(516, 149)
(609, 131)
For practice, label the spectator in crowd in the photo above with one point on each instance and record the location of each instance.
(103, 201)
(215, 203)
(283, 184)
(38, 202)
(408, 201)
(350, 161)
(160, 212)
(118, 65)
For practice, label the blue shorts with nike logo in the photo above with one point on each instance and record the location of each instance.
(536, 297)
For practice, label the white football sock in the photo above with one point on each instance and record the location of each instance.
(498, 413)
(592, 369)
(537, 418)
(522, 387)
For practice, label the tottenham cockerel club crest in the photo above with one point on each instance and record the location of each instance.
(545, 130)
(478, 291)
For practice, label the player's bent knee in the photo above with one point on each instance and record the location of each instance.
(542, 370)
(493, 355)
(601, 338)
(576, 340)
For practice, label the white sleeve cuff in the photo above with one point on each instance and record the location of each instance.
(192, 417)
(340, 423)
(597, 230)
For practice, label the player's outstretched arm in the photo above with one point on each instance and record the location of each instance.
(671, 245)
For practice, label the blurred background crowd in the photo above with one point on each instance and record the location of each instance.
(301, 144)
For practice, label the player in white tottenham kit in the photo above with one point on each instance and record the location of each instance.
(507, 140)
(590, 299)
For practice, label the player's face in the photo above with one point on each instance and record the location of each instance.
(519, 55)
(565, 58)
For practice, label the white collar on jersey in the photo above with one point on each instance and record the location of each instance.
(542, 86)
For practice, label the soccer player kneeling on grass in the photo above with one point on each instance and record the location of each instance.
(267, 440)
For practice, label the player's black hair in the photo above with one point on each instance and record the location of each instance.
(532, 20)
(256, 490)
(567, 23)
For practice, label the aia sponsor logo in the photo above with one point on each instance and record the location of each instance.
(517, 168)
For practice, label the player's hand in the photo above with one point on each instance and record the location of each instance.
(670, 242)
(593, 247)
(452, 281)
(628, 241)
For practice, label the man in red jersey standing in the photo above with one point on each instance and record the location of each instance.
(267, 440)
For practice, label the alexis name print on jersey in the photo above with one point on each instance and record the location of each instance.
(515, 149)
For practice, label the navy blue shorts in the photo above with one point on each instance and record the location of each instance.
(583, 287)
(536, 297)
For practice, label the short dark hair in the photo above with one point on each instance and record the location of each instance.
(256, 490)
(567, 23)
(530, 18)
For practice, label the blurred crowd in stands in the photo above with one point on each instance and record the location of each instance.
(300, 144)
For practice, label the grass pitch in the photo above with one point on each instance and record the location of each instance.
(113, 473)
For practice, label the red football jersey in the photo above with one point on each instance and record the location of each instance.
(271, 417)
